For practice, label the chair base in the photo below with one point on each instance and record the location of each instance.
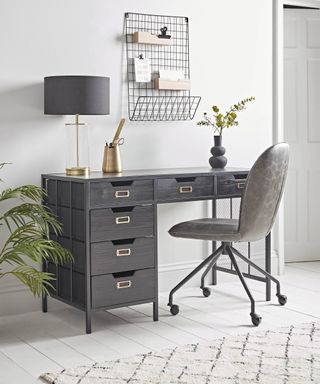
(227, 248)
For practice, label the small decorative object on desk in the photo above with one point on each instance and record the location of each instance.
(112, 159)
(77, 95)
(218, 122)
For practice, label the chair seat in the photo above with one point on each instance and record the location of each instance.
(207, 229)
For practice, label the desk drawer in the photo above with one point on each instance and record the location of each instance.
(122, 288)
(184, 188)
(231, 185)
(117, 193)
(122, 255)
(121, 223)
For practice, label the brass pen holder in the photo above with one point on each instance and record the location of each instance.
(112, 159)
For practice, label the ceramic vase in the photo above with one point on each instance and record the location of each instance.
(218, 160)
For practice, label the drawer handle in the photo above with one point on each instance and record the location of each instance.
(123, 220)
(241, 185)
(185, 189)
(124, 284)
(123, 252)
(119, 194)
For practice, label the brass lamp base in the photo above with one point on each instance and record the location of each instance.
(78, 171)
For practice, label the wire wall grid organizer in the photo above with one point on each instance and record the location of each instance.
(164, 42)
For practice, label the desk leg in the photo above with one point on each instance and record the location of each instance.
(88, 321)
(88, 293)
(156, 301)
(268, 265)
(44, 295)
(214, 243)
(44, 263)
(155, 311)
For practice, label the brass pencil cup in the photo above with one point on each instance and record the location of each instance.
(112, 160)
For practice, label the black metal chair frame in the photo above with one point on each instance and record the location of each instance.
(227, 248)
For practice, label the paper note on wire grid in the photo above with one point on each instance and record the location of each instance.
(142, 70)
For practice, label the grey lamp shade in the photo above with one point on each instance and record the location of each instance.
(76, 95)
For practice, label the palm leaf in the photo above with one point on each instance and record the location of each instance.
(1, 166)
(28, 212)
(31, 192)
(37, 281)
(28, 230)
(36, 250)
(28, 240)
(29, 225)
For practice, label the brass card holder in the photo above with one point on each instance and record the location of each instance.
(112, 157)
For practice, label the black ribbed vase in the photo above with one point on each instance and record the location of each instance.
(217, 160)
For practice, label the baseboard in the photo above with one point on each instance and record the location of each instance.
(16, 298)
(10, 288)
(170, 274)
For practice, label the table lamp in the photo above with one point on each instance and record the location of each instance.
(77, 95)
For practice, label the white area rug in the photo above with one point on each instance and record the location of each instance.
(285, 356)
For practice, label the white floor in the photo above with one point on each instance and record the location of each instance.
(34, 343)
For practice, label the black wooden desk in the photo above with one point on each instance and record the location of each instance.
(110, 226)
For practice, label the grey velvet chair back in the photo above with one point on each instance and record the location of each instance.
(262, 194)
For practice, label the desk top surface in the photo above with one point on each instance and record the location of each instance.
(149, 173)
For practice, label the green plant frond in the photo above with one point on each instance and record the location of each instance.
(24, 231)
(30, 224)
(219, 121)
(36, 250)
(31, 192)
(30, 240)
(12, 258)
(27, 212)
(55, 252)
(38, 282)
(1, 166)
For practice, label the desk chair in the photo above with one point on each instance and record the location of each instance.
(259, 205)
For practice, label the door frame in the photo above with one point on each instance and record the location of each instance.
(278, 98)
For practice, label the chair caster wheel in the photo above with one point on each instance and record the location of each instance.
(282, 299)
(174, 309)
(256, 319)
(206, 292)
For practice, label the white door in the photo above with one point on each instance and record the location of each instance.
(302, 132)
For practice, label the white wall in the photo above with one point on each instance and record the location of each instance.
(230, 53)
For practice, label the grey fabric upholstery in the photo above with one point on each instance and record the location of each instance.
(207, 229)
(259, 205)
(263, 192)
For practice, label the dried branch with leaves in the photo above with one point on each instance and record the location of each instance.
(219, 121)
